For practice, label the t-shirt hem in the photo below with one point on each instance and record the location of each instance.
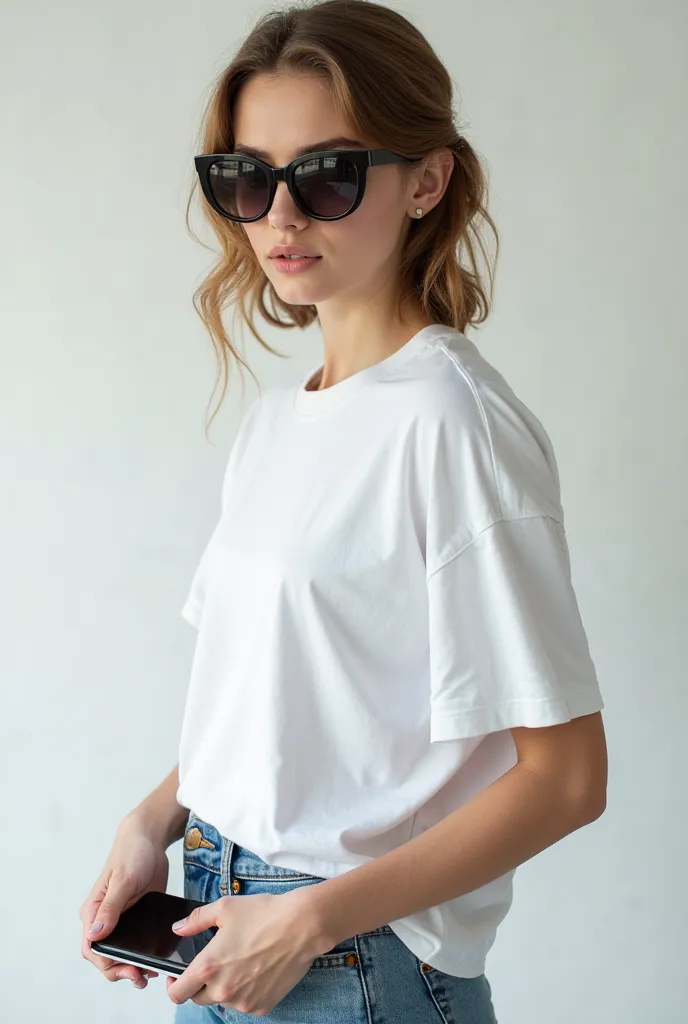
(460, 965)
(449, 725)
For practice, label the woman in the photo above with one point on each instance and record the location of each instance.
(392, 702)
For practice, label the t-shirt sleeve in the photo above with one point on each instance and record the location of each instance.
(195, 598)
(506, 639)
(192, 607)
(507, 644)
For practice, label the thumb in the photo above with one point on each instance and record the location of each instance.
(107, 915)
(198, 920)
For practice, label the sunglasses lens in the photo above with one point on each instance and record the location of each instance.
(239, 187)
(327, 186)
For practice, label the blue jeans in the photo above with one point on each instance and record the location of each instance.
(370, 978)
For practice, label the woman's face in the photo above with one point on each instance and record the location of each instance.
(280, 114)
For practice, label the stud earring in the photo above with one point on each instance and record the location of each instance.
(419, 212)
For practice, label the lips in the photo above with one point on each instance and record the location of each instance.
(281, 251)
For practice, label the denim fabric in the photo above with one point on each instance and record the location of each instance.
(370, 978)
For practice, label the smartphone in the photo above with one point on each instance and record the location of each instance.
(143, 935)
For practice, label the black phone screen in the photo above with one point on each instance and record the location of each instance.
(144, 931)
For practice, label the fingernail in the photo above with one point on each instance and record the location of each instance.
(179, 924)
(96, 927)
(139, 983)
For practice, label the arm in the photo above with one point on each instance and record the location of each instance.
(159, 815)
(557, 786)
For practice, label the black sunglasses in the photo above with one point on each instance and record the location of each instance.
(325, 185)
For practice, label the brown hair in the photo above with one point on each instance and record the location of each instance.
(390, 84)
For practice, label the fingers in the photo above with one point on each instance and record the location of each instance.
(200, 918)
(104, 915)
(113, 970)
(99, 914)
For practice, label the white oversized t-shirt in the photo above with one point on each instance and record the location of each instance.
(387, 592)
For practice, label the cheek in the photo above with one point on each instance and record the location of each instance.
(379, 220)
(369, 234)
(253, 235)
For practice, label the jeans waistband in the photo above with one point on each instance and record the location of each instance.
(246, 864)
(237, 861)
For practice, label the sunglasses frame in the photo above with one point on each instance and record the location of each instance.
(361, 158)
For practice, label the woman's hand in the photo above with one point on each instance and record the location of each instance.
(264, 945)
(135, 865)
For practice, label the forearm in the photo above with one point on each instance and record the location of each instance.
(159, 814)
(503, 826)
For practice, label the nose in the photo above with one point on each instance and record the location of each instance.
(284, 210)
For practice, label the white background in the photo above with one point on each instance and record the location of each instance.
(110, 489)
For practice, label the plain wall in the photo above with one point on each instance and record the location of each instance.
(110, 489)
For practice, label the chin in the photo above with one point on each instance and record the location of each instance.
(299, 295)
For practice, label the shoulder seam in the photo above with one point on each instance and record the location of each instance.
(471, 383)
(502, 519)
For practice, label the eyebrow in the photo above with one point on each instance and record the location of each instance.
(338, 142)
